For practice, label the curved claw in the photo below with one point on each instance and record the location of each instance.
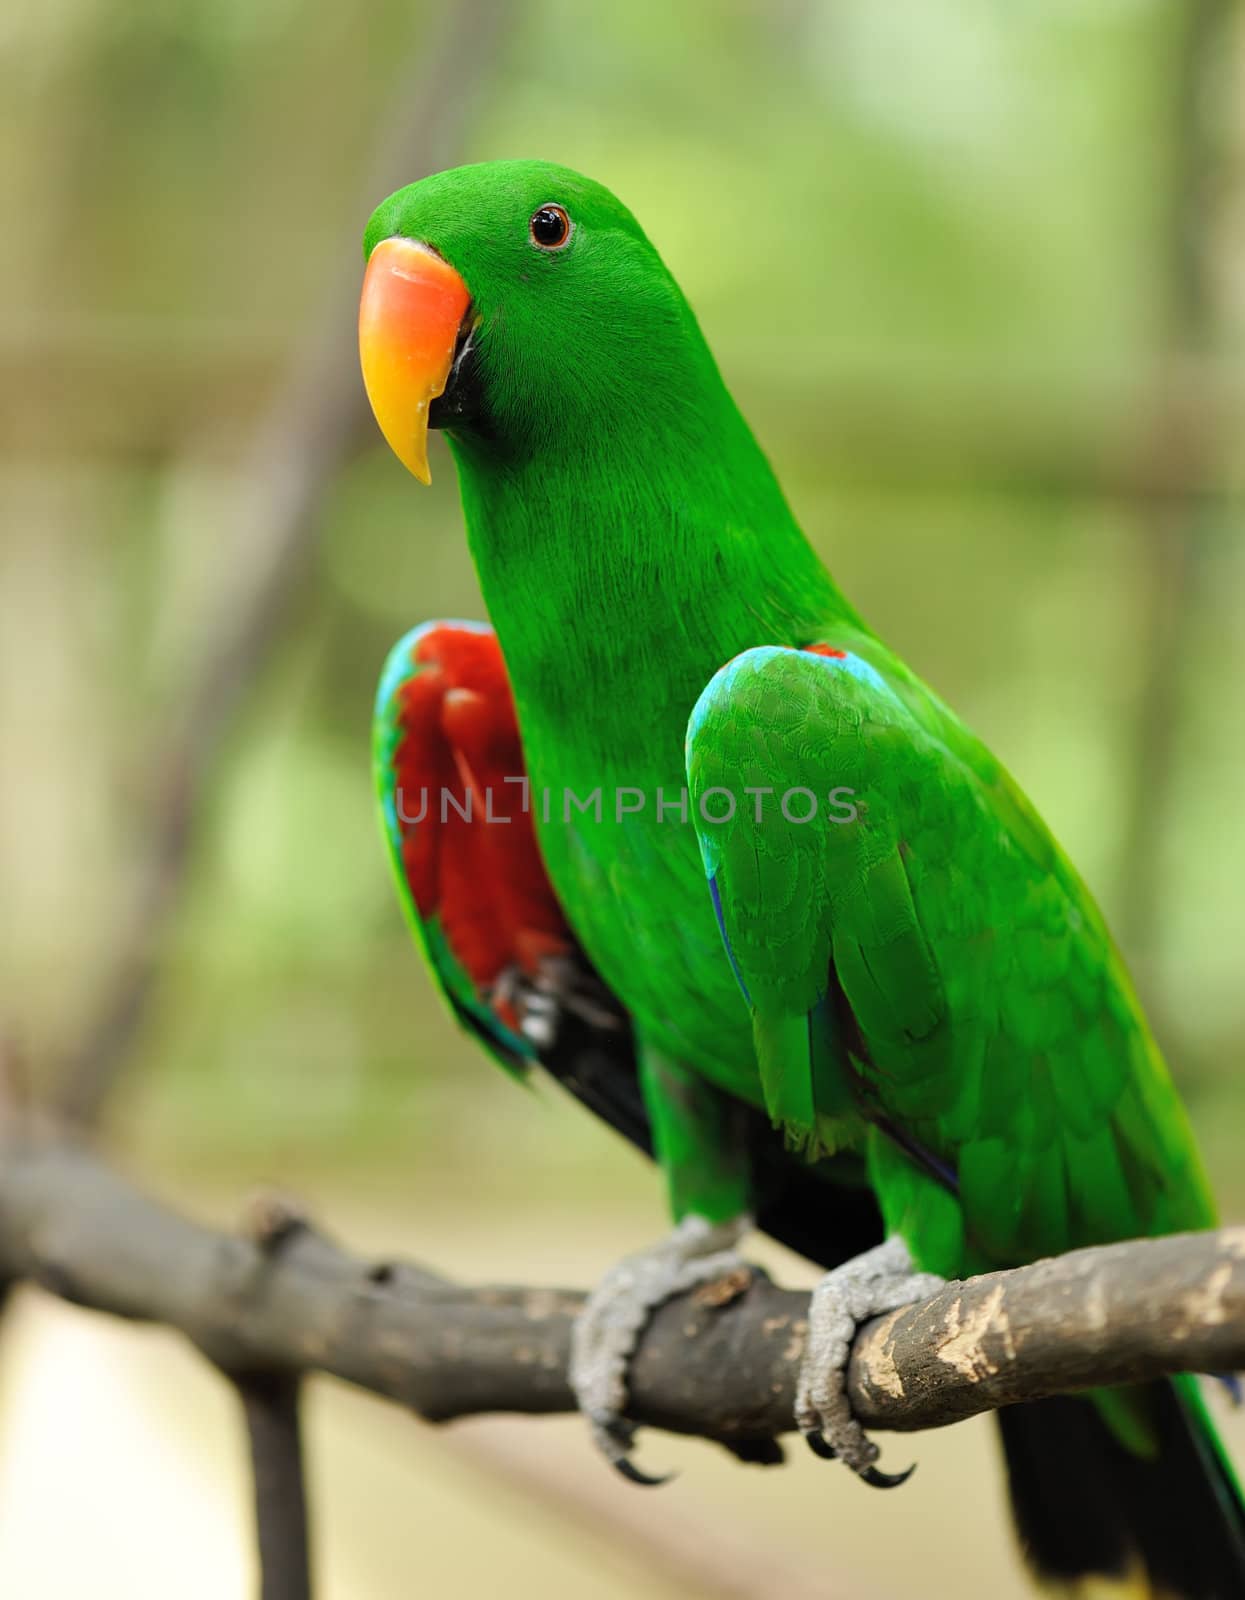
(627, 1468)
(615, 1438)
(815, 1439)
(877, 1479)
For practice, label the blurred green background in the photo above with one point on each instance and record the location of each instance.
(974, 272)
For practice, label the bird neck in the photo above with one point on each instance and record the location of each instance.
(643, 556)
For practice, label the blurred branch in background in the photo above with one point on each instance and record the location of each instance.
(720, 1363)
(271, 1408)
(316, 413)
(1181, 457)
(317, 410)
(270, 1404)
(1054, 427)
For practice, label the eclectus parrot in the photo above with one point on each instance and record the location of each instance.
(762, 900)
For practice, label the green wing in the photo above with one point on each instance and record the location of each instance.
(927, 975)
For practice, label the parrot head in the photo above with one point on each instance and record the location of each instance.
(516, 303)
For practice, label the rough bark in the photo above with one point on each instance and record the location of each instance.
(283, 1299)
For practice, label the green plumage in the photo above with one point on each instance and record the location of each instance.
(927, 982)
(984, 1009)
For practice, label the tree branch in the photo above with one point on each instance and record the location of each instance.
(720, 1363)
(270, 1406)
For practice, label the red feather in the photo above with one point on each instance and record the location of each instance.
(484, 879)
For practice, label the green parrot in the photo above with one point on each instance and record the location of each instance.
(680, 815)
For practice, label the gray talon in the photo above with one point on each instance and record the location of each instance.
(608, 1329)
(881, 1280)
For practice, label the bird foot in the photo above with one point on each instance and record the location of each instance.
(880, 1280)
(607, 1330)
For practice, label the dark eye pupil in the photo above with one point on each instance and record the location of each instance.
(549, 226)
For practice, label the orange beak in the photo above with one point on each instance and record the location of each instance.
(412, 306)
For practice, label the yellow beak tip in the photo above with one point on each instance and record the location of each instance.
(411, 446)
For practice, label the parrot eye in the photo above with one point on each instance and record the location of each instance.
(550, 227)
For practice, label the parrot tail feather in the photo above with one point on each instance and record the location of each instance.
(1086, 1505)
